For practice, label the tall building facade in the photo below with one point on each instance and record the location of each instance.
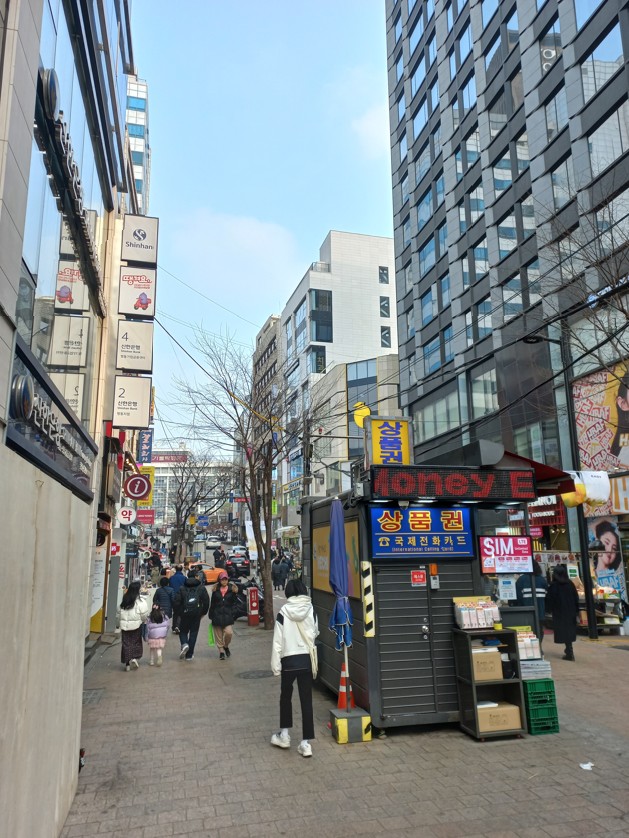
(508, 130)
(63, 175)
(139, 141)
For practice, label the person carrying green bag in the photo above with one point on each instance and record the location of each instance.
(210, 636)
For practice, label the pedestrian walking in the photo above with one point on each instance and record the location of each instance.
(222, 614)
(134, 609)
(191, 603)
(165, 597)
(276, 574)
(284, 570)
(154, 573)
(524, 594)
(157, 632)
(176, 581)
(292, 659)
(562, 600)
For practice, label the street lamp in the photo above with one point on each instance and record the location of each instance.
(566, 364)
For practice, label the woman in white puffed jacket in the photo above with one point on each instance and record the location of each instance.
(134, 609)
(293, 638)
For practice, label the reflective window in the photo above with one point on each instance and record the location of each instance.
(527, 211)
(462, 217)
(408, 277)
(489, 9)
(432, 356)
(452, 60)
(448, 349)
(440, 189)
(477, 203)
(410, 324)
(563, 183)
(481, 258)
(483, 315)
(522, 152)
(422, 164)
(419, 74)
(420, 119)
(550, 46)
(403, 148)
(609, 141)
(471, 145)
(469, 329)
(465, 43)
(406, 231)
(416, 34)
(512, 304)
(427, 257)
(434, 96)
(385, 337)
(399, 68)
(401, 108)
(436, 140)
(602, 63)
(442, 239)
(502, 174)
(513, 31)
(584, 9)
(404, 189)
(385, 307)
(136, 130)
(383, 275)
(484, 393)
(424, 209)
(556, 114)
(398, 28)
(507, 235)
(493, 59)
(432, 51)
(430, 9)
(469, 93)
(444, 287)
(497, 115)
(136, 104)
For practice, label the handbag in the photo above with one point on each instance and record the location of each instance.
(314, 657)
(210, 635)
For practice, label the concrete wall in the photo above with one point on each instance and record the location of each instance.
(45, 547)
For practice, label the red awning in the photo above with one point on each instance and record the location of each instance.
(549, 480)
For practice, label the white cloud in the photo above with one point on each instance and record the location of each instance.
(372, 131)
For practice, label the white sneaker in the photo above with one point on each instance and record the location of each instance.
(151, 663)
(280, 741)
(159, 660)
(184, 649)
(305, 749)
(134, 664)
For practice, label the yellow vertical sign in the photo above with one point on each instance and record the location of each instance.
(388, 441)
(147, 502)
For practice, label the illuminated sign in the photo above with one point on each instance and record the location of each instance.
(506, 554)
(420, 531)
(388, 440)
(454, 483)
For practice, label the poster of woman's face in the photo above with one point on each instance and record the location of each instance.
(606, 554)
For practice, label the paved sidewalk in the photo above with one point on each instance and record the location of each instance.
(184, 750)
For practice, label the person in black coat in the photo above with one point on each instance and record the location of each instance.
(190, 604)
(224, 598)
(562, 600)
(164, 596)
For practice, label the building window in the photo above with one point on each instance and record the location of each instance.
(448, 350)
(563, 183)
(422, 164)
(436, 141)
(290, 349)
(406, 231)
(507, 235)
(398, 28)
(513, 30)
(404, 189)
(556, 114)
(462, 217)
(410, 324)
(419, 74)
(428, 307)
(432, 356)
(609, 141)
(484, 393)
(427, 257)
(444, 285)
(440, 189)
(383, 275)
(489, 9)
(424, 209)
(452, 61)
(385, 337)
(300, 326)
(399, 68)
(137, 158)
(512, 304)
(469, 329)
(420, 119)
(317, 359)
(401, 108)
(432, 51)
(469, 94)
(471, 145)
(550, 46)
(136, 130)
(493, 57)
(465, 43)
(522, 152)
(481, 259)
(602, 63)
(497, 115)
(408, 277)
(320, 315)
(434, 96)
(403, 148)
(527, 212)
(442, 239)
(136, 104)
(584, 9)
(483, 318)
(385, 307)
(477, 203)
(416, 34)
(502, 174)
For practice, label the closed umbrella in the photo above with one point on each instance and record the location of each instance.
(341, 619)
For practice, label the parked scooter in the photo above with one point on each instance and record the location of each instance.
(240, 607)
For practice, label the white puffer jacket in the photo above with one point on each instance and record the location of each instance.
(132, 618)
(287, 638)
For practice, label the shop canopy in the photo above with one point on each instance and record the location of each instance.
(487, 454)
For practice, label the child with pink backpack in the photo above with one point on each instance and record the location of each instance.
(157, 631)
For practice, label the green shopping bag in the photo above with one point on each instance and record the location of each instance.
(210, 635)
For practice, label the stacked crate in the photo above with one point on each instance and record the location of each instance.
(541, 706)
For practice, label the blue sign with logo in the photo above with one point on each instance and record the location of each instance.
(145, 446)
(203, 521)
(420, 531)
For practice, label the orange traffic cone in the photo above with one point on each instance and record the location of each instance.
(345, 687)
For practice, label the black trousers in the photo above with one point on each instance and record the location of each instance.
(304, 685)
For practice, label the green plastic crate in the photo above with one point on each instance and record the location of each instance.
(544, 726)
(540, 685)
(541, 700)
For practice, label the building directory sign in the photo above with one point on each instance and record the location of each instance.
(139, 239)
(132, 401)
(135, 346)
(420, 531)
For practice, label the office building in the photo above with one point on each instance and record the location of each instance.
(139, 141)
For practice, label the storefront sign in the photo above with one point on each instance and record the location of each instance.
(136, 295)
(145, 446)
(148, 472)
(71, 293)
(619, 495)
(146, 516)
(132, 397)
(398, 533)
(70, 337)
(536, 532)
(135, 346)
(137, 486)
(126, 515)
(169, 457)
(71, 385)
(506, 554)
(460, 483)
(418, 578)
(387, 441)
(139, 239)
(44, 430)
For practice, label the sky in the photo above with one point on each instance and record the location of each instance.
(268, 127)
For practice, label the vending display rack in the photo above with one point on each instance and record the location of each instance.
(505, 716)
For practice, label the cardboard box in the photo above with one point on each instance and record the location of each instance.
(503, 717)
(486, 666)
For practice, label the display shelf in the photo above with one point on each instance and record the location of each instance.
(507, 718)
(603, 611)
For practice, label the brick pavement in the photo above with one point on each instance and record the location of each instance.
(184, 750)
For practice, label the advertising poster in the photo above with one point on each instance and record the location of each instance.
(71, 293)
(147, 502)
(136, 295)
(606, 554)
(98, 588)
(251, 541)
(321, 558)
(135, 346)
(69, 341)
(506, 554)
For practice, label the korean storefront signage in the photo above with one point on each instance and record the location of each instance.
(71, 293)
(139, 240)
(132, 398)
(452, 483)
(420, 531)
(135, 346)
(506, 554)
(145, 446)
(136, 295)
(44, 430)
(387, 441)
(147, 501)
(70, 336)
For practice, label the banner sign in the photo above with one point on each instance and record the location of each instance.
(147, 502)
(452, 483)
(420, 531)
(387, 441)
(135, 346)
(146, 516)
(506, 554)
(71, 293)
(136, 293)
(132, 398)
(145, 446)
(71, 385)
(139, 239)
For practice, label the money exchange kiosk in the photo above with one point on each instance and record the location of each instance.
(410, 539)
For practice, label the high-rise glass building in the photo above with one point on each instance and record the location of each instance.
(139, 143)
(509, 129)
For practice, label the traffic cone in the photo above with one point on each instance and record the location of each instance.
(344, 688)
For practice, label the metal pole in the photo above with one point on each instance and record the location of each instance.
(566, 363)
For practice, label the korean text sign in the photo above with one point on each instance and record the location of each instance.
(420, 531)
(388, 441)
(506, 554)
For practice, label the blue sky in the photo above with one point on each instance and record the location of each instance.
(269, 127)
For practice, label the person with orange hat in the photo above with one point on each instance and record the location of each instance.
(221, 614)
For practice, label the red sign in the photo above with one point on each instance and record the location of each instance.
(115, 548)
(137, 486)
(121, 570)
(536, 532)
(452, 483)
(242, 500)
(169, 457)
(418, 578)
(506, 554)
(146, 516)
(253, 607)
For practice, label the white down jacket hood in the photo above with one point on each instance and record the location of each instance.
(287, 638)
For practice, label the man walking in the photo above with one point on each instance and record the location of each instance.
(191, 603)
(177, 580)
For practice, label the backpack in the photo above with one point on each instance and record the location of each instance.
(191, 605)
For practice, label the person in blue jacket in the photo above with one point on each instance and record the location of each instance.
(176, 581)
